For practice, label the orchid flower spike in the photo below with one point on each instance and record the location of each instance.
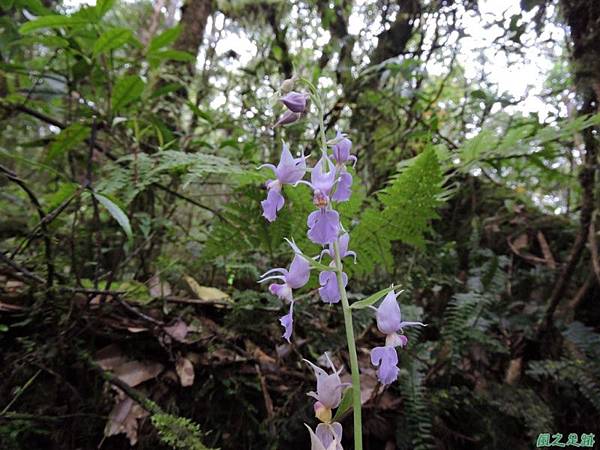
(290, 170)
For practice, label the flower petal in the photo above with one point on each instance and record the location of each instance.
(287, 322)
(299, 272)
(387, 359)
(343, 189)
(324, 226)
(322, 177)
(282, 291)
(329, 290)
(388, 314)
(272, 204)
(290, 170)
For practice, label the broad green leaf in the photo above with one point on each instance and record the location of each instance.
(165, 38)
(111, 39)
(67, 139)
(46, 41)
(345, 404)
(372, 299)
(117, 214)
(52, 22)
(126, 90)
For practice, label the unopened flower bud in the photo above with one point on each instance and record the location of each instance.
(287, 85)
(295, 101)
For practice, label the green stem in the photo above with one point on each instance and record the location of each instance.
(356, 405)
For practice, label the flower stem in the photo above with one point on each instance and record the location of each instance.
(356, 404)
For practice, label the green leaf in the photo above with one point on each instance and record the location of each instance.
(165, 38)
(111, 39)
(34, 6)
(126, 90)
(55, 199)
(156, 57)
(117, 214)
(52, 22)
(103, 6)
(68, 139)
(345, 404)
(5, 5)
(46, 41)
(199, 112)
(372, 299)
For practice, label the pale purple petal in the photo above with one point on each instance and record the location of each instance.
(341, 150)
(396, 340)
(388, 314)
(329, 387)
(386, 359)
(273, 203)
(330, 433)
(412, 324)
(343, 189)
(322, 177)
(324, 226)
(299, 272)
(295, 101)
(287, 322)
(329, 290)
(290, 169)
(282, 291)
(315, 442)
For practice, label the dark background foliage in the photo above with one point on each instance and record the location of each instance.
(131, 235)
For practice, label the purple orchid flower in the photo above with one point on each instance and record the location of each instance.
(294, 278)
(329, 386)
(341, 149)
(295, 101)
(343, 242)
(329, 290)
(287, 118)
(290, 170)
(328, 437)
(389, 321)
(386, 359)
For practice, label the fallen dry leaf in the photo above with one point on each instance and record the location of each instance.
(110, 357)
(178, 330)
(158, 288)
(185, 371)
(205, 292)
(124, 419)
(136, 372)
